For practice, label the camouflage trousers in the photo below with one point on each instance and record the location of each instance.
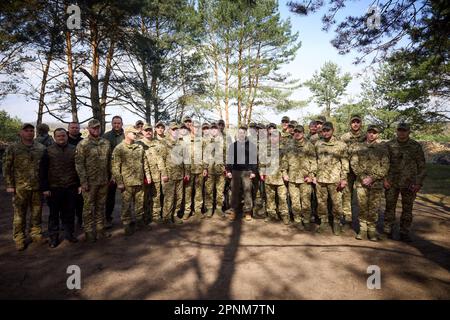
(214, 182)
(347, 195)
(193, 190)
(257, 196)
(369, 201)
(22, 200)
(173, 196)
(132, 195)
(241, 185)
(94, 208)
(407, 205)
(152, 201)
(300, 194)
(325, 191)
(276, 194)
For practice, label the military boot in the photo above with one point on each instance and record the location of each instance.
(361, 235)
(128, 229)
(89, 237)
(220, 213)
(372, 235)
(103, 234)
(248, 216)
(209, 213)
(186, 215)
(322, 227)
(286, 220)
(142, 225)
(337, 228)
(20, 245)
(177, 220)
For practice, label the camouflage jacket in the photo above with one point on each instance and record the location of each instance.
(93, 161)
(214, 155)
(350, 138)
(370, 160)
(21, 165)
(314, 138)
(332, 160)
(114, 138)
(45, 139)
(272, 166)
(285, 138)
(407, 163)
(127, 164)
(300, 161)
(175, 159)
(194, 154)
(153, 162)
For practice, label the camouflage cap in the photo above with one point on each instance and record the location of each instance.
(205, 125)
(187, 118)
(174, 126)
(355, 117)
(260, 126)
(299, 128)
(139, 122)
(403, 126)
(93, 123)
(131, 129)
(293, 123)
(271, 125)
(252, 125)
(328, 125)
(285, 118)
(214, 125)
(243, 127)
(147, 126)
(160, 124)
(184, 126)
(321, 119)
(221, 121)
(374, 127)
(26, 125)
(43, 127)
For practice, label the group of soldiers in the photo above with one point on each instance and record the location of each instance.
(170, 174)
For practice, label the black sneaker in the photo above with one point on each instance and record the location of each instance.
(72, 239)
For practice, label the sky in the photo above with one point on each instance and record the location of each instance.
(316, 49)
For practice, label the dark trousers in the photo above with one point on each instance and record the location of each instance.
(241, 186)
(110, 201)
(62, 206)
(79, 202)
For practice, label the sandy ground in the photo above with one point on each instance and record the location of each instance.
(217, 259)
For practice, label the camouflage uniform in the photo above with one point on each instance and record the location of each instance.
(92, 160)
(45, 139)
(128, 170)
(214, 157)
(300, 161)
(350, 138)
(153, 166)
(21, 171)
(407, 167)
(193, 189)
(173, 155)
(115, 138)
(369, 160)
(273, 168)
(332, 167)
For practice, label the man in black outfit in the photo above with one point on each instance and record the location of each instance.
(74, 139)
(60, 185)
(241, 169)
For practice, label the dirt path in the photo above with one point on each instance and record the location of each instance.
(216, 259)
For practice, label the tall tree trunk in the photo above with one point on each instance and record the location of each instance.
(70, 76)
(239, 76)
(48, 60)
(216, 86)
(93, 75)
(227, 71)
(108, 68)
(145, 90)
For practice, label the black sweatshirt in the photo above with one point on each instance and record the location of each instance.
(242, 156)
